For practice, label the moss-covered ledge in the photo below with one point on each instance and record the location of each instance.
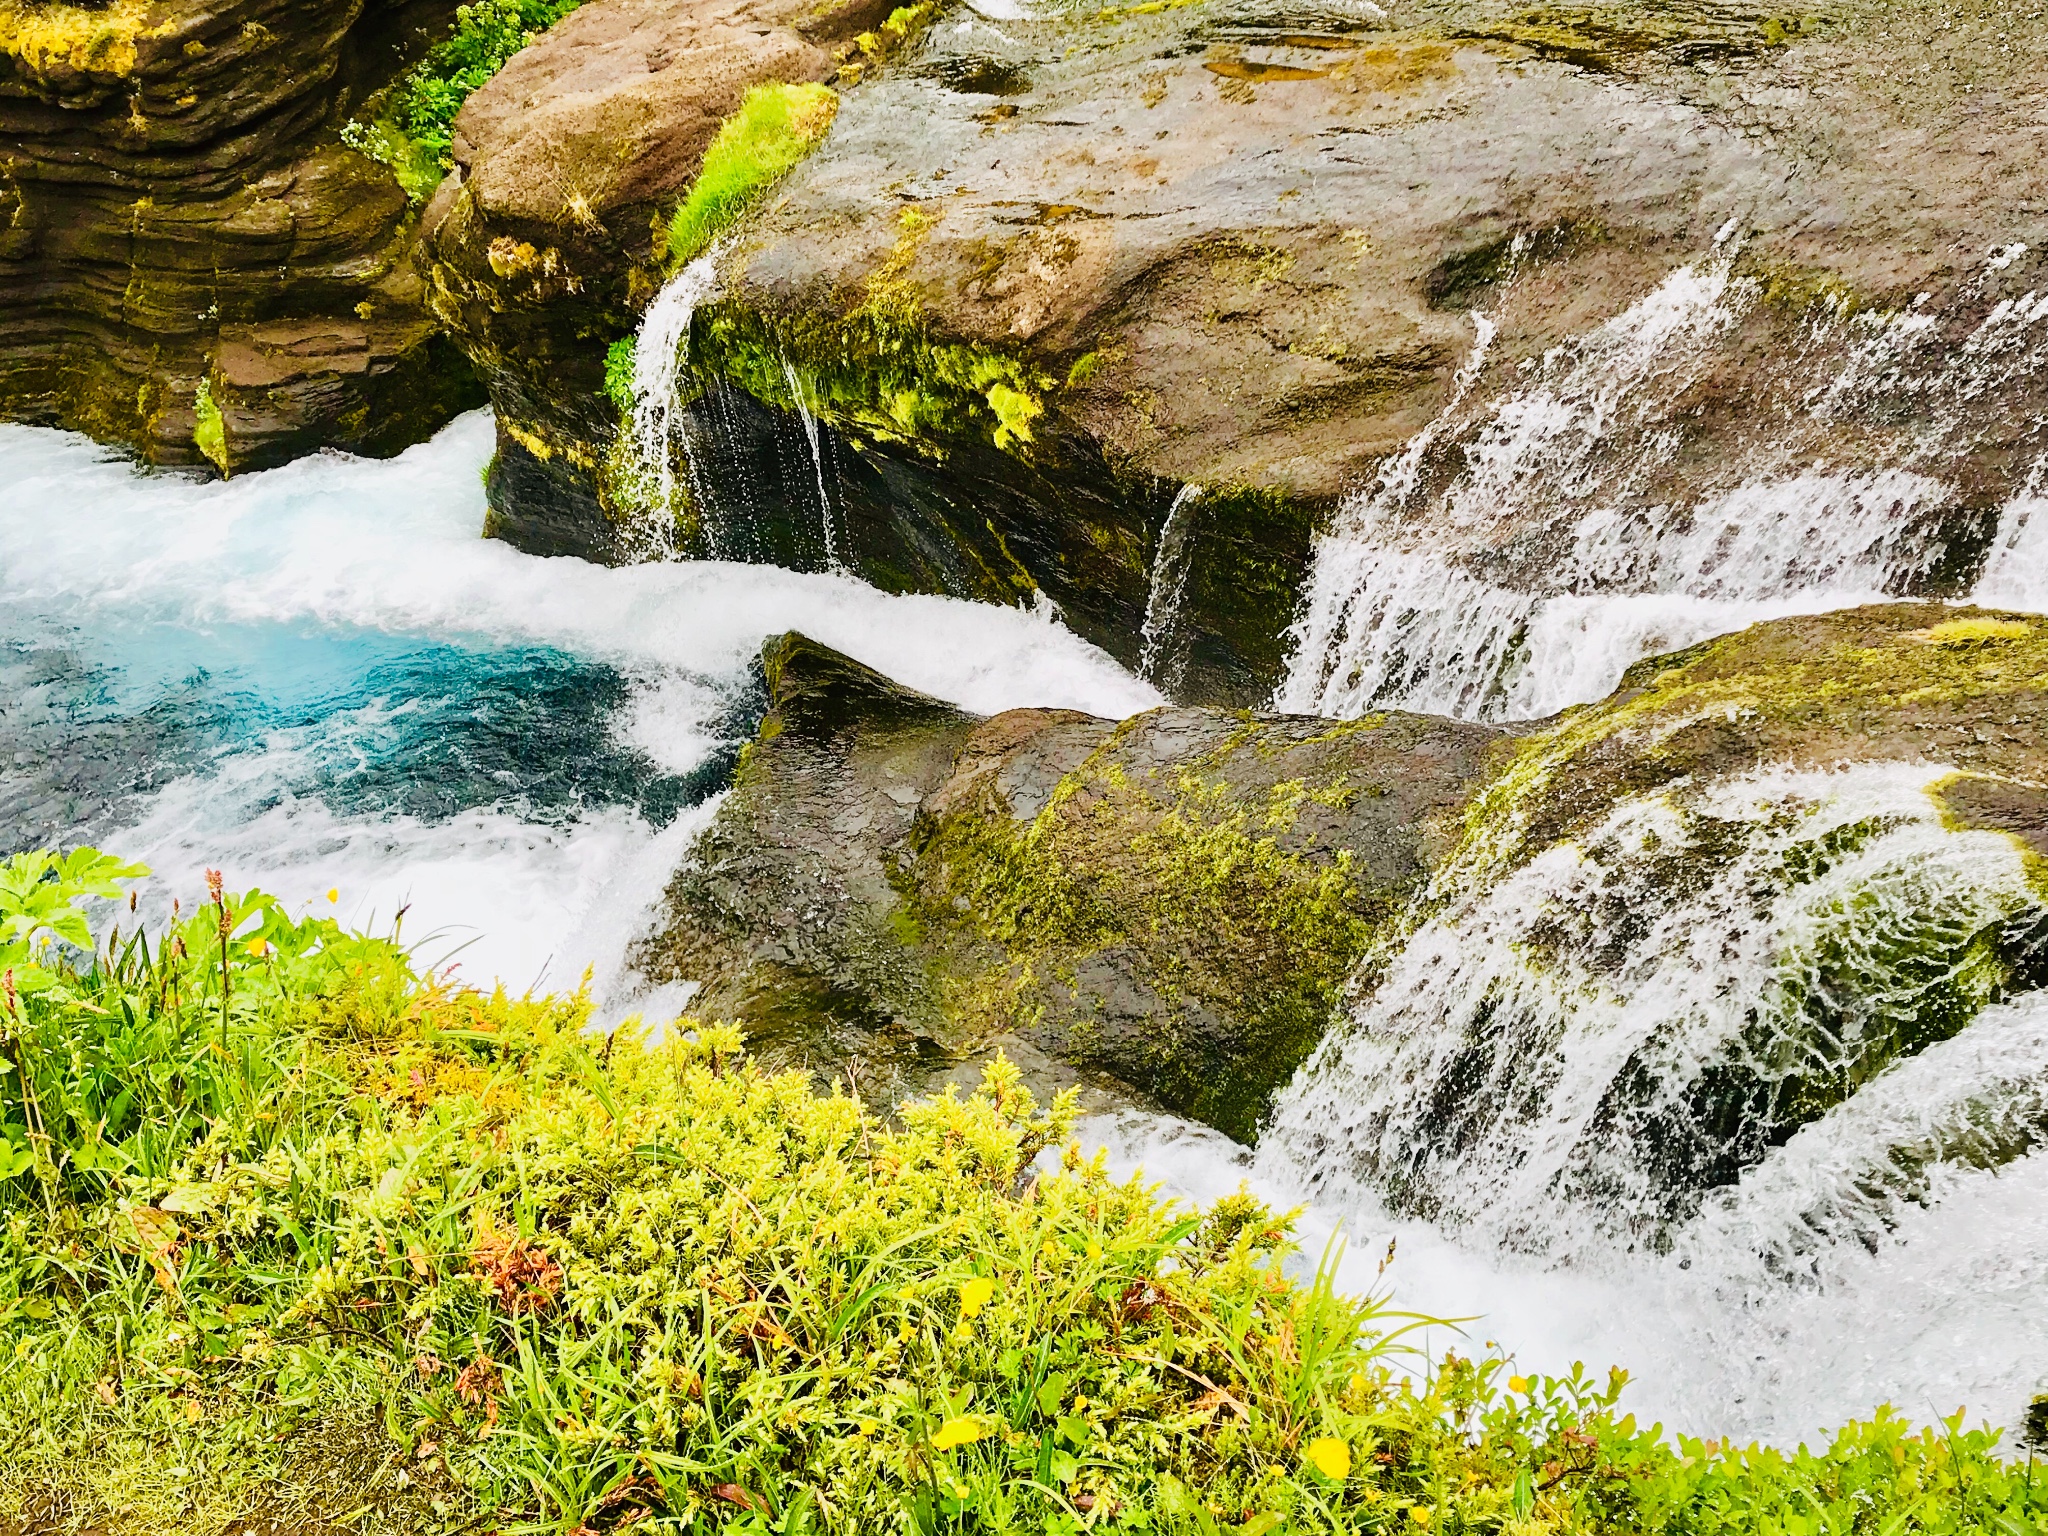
(1166, 908)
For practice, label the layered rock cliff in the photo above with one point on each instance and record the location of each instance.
(180, 211)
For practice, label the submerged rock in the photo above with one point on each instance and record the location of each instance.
(192, 264)
(1168, 906)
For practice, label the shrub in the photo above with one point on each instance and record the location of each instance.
(774, 128)
(291, 1231)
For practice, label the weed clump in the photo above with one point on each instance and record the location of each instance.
(292, 1231)
(775, 127)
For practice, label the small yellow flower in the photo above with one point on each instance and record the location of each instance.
(334, 893)
(1518, 1383)
(1329, 1456)
(865, 1428)
(1419, 1515)
(974, 1295)
(1094, 1251)
(958, 1432)
(259, 947)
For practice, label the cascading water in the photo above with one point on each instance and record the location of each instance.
(1161, 658)
(1521, 552)
(325, 679)
(657, 430)
(812, 441)
(1742, 1088)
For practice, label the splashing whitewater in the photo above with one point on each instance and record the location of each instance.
(1515, 560)
(657, 431)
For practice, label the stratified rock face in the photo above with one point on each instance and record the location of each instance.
(1171, 904)
(539, 249)
(179, 208)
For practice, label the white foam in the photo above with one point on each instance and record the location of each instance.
(332, 546)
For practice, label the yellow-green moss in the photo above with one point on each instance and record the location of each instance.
(210, 432)
(878, 371)
(1197, 880)
(83, 38)
(1856, 683)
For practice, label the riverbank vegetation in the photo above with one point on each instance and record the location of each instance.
(411, 127)
(301, 1236)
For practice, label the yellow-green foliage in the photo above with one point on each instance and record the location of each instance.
(1198, 879)
(874, 48)
(210, 431)
(310, 1240)
(878, 371)
(774, 128)
(99, 40)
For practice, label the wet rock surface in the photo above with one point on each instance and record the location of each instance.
(1235, 247)
(179, 209)
(538, 250)
(1164, 908)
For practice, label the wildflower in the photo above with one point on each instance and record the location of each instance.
(333, 893)
(958, 1432)
(1419, 1515)
(259, 947)
(1329, 1456)
(1518, 1383)
(974, 1295)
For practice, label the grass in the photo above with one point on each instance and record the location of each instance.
(775, 127)
(292, 1231)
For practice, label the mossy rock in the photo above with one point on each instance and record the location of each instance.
(1169, 906)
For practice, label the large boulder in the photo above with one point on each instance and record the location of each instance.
(1049, 269)
(1169, 906)
(179, 210)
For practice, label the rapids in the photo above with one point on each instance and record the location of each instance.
(320, 678)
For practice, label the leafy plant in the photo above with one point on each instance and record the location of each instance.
(412, 130)
(310, 1236)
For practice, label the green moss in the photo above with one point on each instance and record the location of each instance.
(1201, 884)
(775, 127)
(877, 371)
(1858, 683)
(210, 433)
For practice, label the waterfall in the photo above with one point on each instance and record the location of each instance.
(655, 429)
(2015, 573)
(1161, 660)
(811, 436)
(1518, 554)
(1715, 993)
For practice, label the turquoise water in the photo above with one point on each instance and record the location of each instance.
(322, 678)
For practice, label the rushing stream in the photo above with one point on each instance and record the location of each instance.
(320, 677)
(1699, 1126)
